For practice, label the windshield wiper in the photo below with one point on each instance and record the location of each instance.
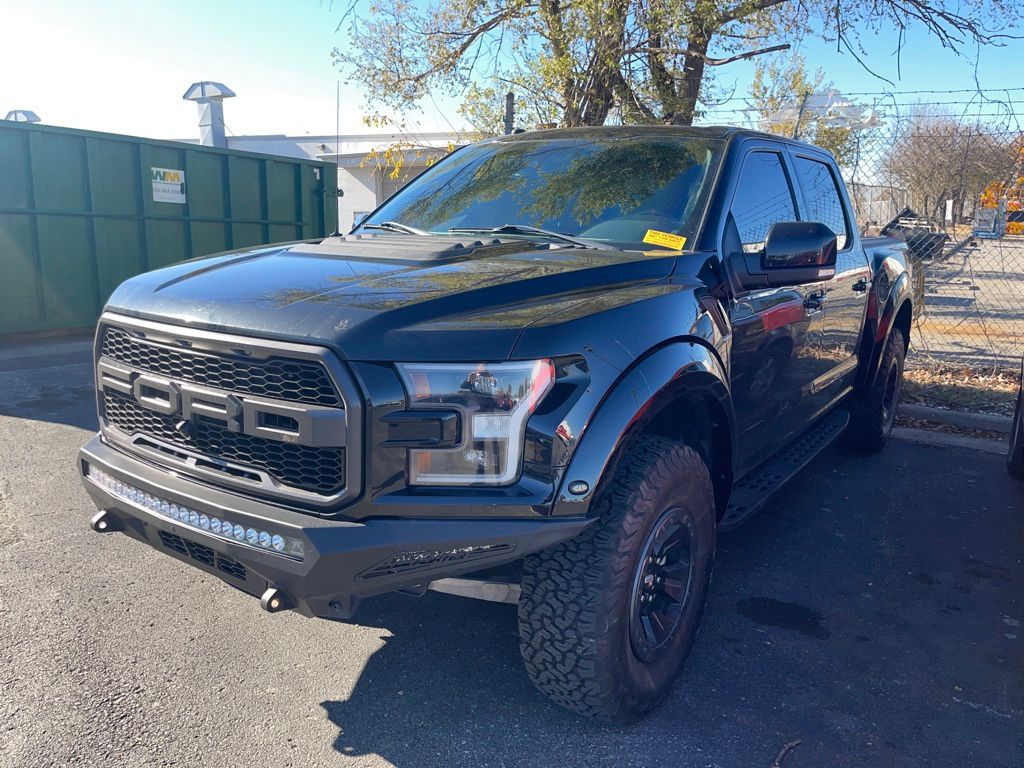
(526, 229)
(397, 226)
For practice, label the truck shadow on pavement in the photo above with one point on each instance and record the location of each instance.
(72, 405)
(868, 631)
(49, 381)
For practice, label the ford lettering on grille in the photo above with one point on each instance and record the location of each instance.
(256, 416)
(286, 422)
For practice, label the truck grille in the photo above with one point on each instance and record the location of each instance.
(283, 379)
(265, 418)
(321, 470)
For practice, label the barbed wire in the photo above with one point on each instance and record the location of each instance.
(892, 93)
(909, 104)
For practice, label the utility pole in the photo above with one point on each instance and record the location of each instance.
(800, 115)
(510, 108)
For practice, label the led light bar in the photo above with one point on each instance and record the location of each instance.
(179, 513)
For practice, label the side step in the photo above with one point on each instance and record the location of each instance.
(751, 493)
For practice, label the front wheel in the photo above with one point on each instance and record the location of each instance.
(607, 619)
(873, 411)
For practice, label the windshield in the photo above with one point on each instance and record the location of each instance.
(609, 190)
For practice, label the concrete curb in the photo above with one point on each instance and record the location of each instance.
(988, 421)
(946, 440)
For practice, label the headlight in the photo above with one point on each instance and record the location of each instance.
(494, 401)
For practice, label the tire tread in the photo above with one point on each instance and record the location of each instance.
(563, 598)
(867, 430)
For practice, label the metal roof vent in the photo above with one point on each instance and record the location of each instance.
(22, 116)
(209, 97)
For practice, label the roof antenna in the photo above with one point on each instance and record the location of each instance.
(337, 153)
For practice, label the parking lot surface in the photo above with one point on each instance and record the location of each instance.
(873, 612)
(974, 305)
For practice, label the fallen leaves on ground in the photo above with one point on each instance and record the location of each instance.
(961, 389)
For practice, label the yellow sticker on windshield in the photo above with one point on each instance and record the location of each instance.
(667, 239)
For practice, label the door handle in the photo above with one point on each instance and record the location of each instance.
(860, 286)
(814, 302)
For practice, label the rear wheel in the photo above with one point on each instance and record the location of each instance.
(606, 620)
(1015, 454)
(873, 411)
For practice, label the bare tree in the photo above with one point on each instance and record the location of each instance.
(937, 157)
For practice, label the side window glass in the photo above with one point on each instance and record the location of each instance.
(763, 198)
(822, 197)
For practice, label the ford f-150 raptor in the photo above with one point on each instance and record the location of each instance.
(549, 370)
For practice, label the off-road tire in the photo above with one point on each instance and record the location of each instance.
(1015, 453)
(576, 600)
(873, 411)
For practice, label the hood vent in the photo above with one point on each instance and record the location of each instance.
(411, 248)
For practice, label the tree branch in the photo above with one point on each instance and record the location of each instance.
(452, 58)
(631, 101)
(710, 61)
(844, 42)
(745, 9)
(538, 95)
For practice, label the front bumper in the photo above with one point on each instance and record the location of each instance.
(343, 561)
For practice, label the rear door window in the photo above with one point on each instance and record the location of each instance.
(763, 197)
(822, 198)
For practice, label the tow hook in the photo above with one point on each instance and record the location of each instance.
(273, 600)
(103, 522)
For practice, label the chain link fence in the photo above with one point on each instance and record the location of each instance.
(951, 188)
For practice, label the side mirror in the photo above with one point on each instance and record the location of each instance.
(800, 244)
(795, 252)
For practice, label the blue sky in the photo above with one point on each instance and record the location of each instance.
(123, 65)
(923, 66)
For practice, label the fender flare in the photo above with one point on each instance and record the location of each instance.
(878, 338)
(649, 383)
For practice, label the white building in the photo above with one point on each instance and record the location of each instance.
(366, 162)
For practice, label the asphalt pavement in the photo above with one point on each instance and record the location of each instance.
(873, 611)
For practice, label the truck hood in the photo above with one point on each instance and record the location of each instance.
(388, 297)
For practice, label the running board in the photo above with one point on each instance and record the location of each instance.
(751, 493)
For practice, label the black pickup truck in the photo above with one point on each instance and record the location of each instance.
(550, 370)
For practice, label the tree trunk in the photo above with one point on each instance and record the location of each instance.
(689, 85)
(551, 13)
(605, 65)
(661, 79)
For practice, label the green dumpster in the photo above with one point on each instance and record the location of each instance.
(82, 211)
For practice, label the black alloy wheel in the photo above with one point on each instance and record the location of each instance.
(661, 585)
